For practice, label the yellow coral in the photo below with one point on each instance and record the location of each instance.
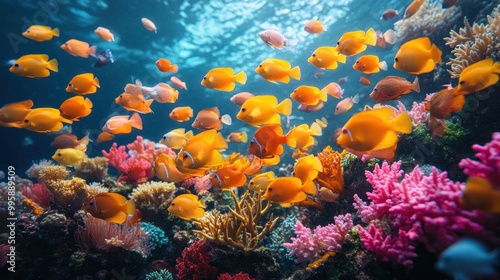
(92, 169)
(52, 173)
(331, 177)
(153, 195)
(37, 210)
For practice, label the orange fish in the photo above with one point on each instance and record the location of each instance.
(479, 194)
(112, 207)
(267, 143)
(445, 102)
(34, 66)
(104, 137)
(67, 140)
(392, 87)
(164, 65)
(164, 168)
(13, 114)
(177, 138)
(78, 48)
(187, 207)
(75, 108)
(241, 97)
(417, 56)
(134, 102)
(334, 90)
(365, 81)
(413, 8)
(354, 42)
(369, 64)
(122, 124)
(314, 27)
(307, 168)
(223, 79)
(235, 137)
(273, 70)
(201, 151)
(178, 83)
(181, 114)
(230, 175)
(308, 95)
(83, 84)
(389, 14)
(44, 120)
(345, 104)
(264, 109)
(40, 33)
(303, 135)
(104, 34)
(437, 127)
(210, 118)
(288, 190)
(478, 76)
(326, 58)
(148, 24)
(373, 130)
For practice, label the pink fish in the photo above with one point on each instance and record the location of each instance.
(275, 39)
(345, 104)
(311, 108)
(148, 24)
(178, 83)
(334, 90)
(240, 98)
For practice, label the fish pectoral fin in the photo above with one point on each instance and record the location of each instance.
(301, 196)
(285, 79)
(428, 67)
(389, 140)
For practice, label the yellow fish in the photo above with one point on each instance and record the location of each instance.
(354, 42)
(69, 156)
(164, 168)
(413, 8)
(75, 108)
(309, 95)
(187, 207)
(264, 109)
(223, 79)
(34, 66)
(479, 194)
(83, 84)
(307, 168)
(40, 33)
(44, 120)
(373, 130)
(177, 138)
(260, 181)
(201, 151)
(417, 56)
(326, 58)
(234, 137)
(303, 135)
(288, 190)
(273, 69)
(12, 114)
(112, 207)
(478, 76)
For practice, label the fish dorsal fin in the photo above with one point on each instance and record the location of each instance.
(227, 70)
(179, 131)
(219, 142)
(268, 99)
(422, 42)
(283, 63)
(214, 110)
(383, 113)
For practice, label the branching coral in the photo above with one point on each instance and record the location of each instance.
(92, 169)
(431, 21)
(240, 227)
(331, 177)
(474, 43)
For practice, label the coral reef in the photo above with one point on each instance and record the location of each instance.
(488, 165)
(240, 227)
(239, 276)
(52, 173)
(33, 171)
(161, 274)
(194, 263)
(474, 43)
(418, 209)
(92, 169)
(331, 177)
(38, 193)
(157, 237)
(201, 184)
(153, 198)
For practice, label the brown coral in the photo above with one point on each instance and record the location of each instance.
(69, 194)
(52, 173)
(331, 177)
(153, 195)
(240, 227)
(474, 43)
(92, 169)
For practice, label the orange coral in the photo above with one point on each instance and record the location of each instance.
(37, 210)
(331, 177)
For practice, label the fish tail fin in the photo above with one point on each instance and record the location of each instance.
(371, 37)
(65, 120)
(316, 129)
(82, 144)
(52, 65)
(55, 32)
(382, 65)
(416, 85)
(390, 36)
(496, 67)
(244, 137)
(129, 207)
(436, 54)
(401, 123)
(341, 58)
(355, 99)
(317, 165)
(309, 187)
(290, 140)
(96, 82)
(188, 135)
(458, 103)
(226, 119)
(323, 95)
(136, 121)
(175, 68)
(241, 78)
(285, 107)
(92, 50)
(295, 73)
(219, 142)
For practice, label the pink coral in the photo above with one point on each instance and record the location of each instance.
(38, 193)
(419, 209)
(488, 165)
(201, 184)
(311, 246)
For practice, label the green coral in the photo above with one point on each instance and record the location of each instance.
(159, 275)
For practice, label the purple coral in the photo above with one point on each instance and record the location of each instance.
(418, 208)
(488, 165)
(310, 245)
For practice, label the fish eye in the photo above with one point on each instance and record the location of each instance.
(173, 204)
(243, 109)
(164, 137)
(357, 61)
(462, 82)
(16, 65)
(59, 154)
(313, 55)
(26, 121)
(338, 42)
(185, 156)
(396, 59)
(91, 203)
(270, 189)
(70, 85)
(204, 78)
(251, 183)
(260, 65)
(344, 131)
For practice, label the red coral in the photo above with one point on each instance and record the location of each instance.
(239, 276)
(194, 263)
(4, 249)
(37, 193)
